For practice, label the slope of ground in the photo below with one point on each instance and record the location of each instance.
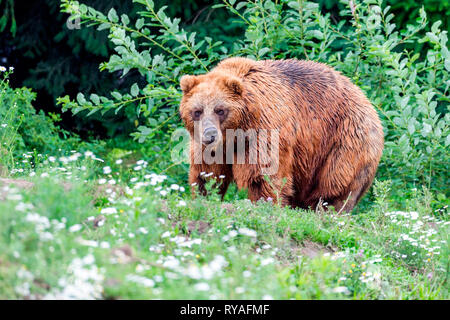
(74, 230)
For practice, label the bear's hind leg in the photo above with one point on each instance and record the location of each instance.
(344, 177)
(353, 193)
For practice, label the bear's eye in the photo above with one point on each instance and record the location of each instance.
(197, 113)
(220, 112)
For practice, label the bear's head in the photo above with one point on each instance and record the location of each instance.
(211, 104)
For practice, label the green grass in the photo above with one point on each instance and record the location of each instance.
(77, 234)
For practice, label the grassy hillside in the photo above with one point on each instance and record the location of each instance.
(77, 228)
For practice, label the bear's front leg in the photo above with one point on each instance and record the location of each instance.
(199, 175)
(259, 188)
(274, 187)
(196, 180)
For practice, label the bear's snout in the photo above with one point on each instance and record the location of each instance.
(209, 135)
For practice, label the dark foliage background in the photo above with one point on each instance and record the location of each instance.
(53, 60)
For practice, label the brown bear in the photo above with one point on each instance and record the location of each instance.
(329, 136)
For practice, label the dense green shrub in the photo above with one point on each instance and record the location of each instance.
(407, 11)
(8, 16)
(23, 129)
(409, 89)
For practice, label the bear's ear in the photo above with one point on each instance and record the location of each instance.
(188, 82)
(234, 84)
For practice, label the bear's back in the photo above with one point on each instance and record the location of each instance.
(306, 84)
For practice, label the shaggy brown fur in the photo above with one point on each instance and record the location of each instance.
(331, 138)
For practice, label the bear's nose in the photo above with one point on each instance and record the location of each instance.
(209, 135)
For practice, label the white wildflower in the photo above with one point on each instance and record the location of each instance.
(146, 282)
(341, 290)
(108, 210)
(75, 228)
(247, 232)
(201, 286)
(142, 230)
(165, 234)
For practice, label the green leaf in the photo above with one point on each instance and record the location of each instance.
(315, 34)
(411, 126)
(140, 23)
(103, 26)
(83, 9)
(433, 38)
(92, 112)
(149, 4)
(263, 51)
(404, 101)
(426, 130)
(152, 122)
(125, 19)
(240, 5)
(95, 99)
(435, 26)
(116, 95)
(112, 15)
(134, 90)
(447, 64)
(80, 98)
